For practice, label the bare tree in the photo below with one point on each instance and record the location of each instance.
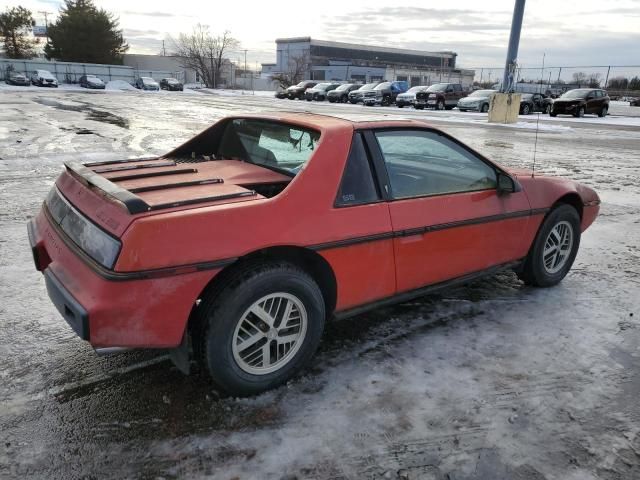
(593, 80)
(296, 70)
(579, 78)
(203, 52)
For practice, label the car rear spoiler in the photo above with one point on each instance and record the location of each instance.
(132, 202)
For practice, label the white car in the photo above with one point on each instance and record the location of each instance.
(147, 83)
(43, 78)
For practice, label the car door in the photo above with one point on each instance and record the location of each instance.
(592, 102)
(448, 218)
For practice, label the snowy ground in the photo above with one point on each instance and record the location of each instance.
(492, 381)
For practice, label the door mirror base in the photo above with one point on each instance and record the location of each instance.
(506, 184)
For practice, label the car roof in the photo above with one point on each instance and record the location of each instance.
(356, 121)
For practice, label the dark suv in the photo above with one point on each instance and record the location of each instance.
(341, 94)
(440, 96)
(296, 91)
(357, 95)
(534, 102)
(385, 93)
(580, 101)
(319, 92)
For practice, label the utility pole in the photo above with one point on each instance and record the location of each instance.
(46, 22)
(164, 52)
(514, 42)
(245, 64)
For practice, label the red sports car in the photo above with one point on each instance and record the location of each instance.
(234, 248)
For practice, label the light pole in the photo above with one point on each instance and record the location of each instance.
(512, 51)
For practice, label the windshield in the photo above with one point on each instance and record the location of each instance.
(322, 86)
(147, 79)
(482, 93)
(368, 86)
(383, 85)
(415, 89)
(582, 93)
(438, 87)
(171, 80)
(344, 87)
(44, 74)
(278, 146)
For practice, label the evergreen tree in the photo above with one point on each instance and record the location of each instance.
(15, 23)
(85, 33)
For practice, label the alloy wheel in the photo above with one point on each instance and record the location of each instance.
(557, 247)
(269, 333)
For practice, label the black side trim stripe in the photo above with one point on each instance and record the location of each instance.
(137, 275)
(215, 264)
(410, 295)
(431, 228)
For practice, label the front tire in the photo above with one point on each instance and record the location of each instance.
(603, 112)
(554, 248)
(525, 109)
(440, 105)
(484, 108)
(261, 328)
(580, 112)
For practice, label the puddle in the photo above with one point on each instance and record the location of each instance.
(92, 113)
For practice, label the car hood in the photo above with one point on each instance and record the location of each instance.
(473, 99)
(569, 101)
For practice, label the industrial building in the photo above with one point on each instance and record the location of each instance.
(324, 60)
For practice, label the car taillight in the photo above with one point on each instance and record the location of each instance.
(94, 241)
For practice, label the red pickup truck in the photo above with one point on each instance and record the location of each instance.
(234, 248)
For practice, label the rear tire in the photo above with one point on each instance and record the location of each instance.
(289, 305)
(554, 248)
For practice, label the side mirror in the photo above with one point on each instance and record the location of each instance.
(506, 184)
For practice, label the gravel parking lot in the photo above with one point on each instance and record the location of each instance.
(493, 380)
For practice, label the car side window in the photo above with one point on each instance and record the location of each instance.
(457, 88)
(422, 163)
(357, 186)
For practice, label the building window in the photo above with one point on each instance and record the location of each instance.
(415, 81)
(401, 78)
(317, 75)
(358, 78)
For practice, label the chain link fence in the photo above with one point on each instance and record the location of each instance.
(620, 81)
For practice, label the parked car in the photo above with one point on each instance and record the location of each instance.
(407, 98)
(91, 81)
(580, 101)
(479, 100)
(356, 96)
(341, 94)
(16, 78)
(171, 84)
(385, 93)
(43, 78)
(634, 102)
(246, 257)
(534, 102)
(440, 96)
(147, 83)
(319, 92)
(296, 91)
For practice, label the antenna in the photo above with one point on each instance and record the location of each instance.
(535, 143)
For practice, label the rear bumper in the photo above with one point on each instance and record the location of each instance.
(120, 311)
(70, 309)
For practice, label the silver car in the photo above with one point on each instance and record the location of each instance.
(478, 101)
(43, 78)
(407, 98)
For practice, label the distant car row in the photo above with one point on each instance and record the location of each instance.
(44, 78)
(445, 96)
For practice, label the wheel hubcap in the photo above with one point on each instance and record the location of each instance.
(557, 247)
(269, 333)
